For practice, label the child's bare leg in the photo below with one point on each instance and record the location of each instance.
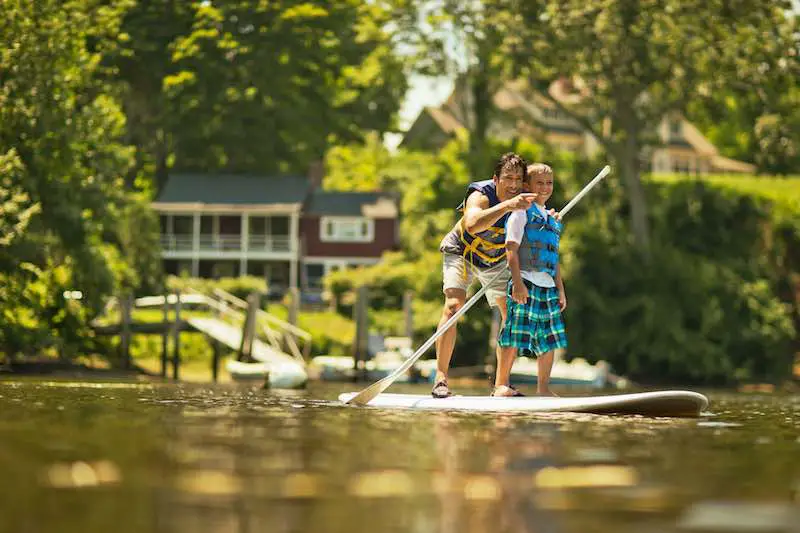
(545, 365)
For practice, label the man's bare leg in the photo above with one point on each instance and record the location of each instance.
(453, 301)
(545, 366)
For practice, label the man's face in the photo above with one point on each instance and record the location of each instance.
(509, 183)
(542, 185)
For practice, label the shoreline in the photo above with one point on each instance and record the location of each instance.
(69, 369)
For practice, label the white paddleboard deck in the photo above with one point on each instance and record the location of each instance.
(659, 403)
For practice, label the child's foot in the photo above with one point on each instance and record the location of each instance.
(441, 390)
(506, 391)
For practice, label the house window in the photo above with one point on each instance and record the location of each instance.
(278, 225)
(675, 129)
(257, 225)
(682, 165)
(224, 269)
(182, 224)
(206, 224)
(314, 274)
(346, 229)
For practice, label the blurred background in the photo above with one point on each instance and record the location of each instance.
(319, 147)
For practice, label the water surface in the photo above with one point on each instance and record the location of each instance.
(130, 457)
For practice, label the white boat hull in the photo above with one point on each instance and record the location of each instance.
(279, 375)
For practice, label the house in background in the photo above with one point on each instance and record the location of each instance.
(341, 229)
(523, 112)
(283, 228)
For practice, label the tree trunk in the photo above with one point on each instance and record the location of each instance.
(481, 87)
(627, 152)
(628, 161)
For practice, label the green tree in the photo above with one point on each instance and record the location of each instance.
(463, 42)
(63, 166)
(754, 114)
(631, 62)
(138, 58)
(268, 87)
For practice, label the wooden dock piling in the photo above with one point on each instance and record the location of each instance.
(126, 305)
(176, 339)
(165, 337)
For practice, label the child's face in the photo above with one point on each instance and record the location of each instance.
(542, 185)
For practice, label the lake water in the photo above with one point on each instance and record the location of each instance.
(130, 457)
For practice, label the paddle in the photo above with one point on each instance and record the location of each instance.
(366, 395)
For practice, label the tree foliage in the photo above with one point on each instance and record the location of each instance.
(250, 86)
(62, 161)
(628, 64)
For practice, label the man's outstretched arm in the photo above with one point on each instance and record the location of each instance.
(478, 216)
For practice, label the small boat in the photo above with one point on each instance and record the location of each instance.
(341, 368)
(577, 373)
(275, 375)
(393, 352)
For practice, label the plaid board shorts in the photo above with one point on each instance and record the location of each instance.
(535, 326)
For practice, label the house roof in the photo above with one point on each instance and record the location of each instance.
(517, 96)
(233, 189)
(351, 204)
(697, 140)
(725, 164)
(447, 122)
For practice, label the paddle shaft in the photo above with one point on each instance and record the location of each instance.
(589, 186)
(366, 395)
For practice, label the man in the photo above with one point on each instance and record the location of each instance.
(475, 248)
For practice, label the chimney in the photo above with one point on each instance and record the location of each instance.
(316, 171)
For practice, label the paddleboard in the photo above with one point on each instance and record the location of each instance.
(674, 403)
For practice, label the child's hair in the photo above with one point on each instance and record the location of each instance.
(510, 161)
(535, 169)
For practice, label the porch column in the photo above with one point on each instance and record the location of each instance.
(294, 240)
(215, 232)
(196, 244)
(244, 244)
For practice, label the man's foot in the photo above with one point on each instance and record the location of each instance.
(547, 392)
(506, 391)
(441, 390)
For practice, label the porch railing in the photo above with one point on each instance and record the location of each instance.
(226, 243)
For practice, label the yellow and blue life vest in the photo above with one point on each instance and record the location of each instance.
(486, 248)
(538, 251)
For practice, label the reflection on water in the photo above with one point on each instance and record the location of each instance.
(191, 459)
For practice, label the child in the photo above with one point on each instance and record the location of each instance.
(535, 296)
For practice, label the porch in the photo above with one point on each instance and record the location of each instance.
(214, 244)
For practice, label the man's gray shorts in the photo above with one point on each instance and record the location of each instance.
(458, 273)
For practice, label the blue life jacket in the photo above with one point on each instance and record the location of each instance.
(485, 248)
(538, 251)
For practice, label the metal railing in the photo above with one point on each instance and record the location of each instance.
(225, 243)
(270, 243)
(278, 332)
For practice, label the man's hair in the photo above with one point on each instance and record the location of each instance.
(510, 161)
(534, 169)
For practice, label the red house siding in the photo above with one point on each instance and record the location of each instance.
(385, 239)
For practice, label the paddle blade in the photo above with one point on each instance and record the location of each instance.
(369, 393)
